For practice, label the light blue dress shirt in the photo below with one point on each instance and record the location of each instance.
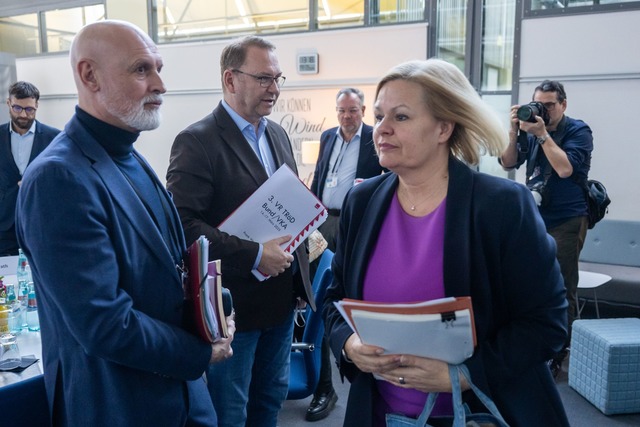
(260, 145)
(21, 146)
(342, 169)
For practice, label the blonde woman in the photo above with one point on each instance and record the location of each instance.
(432, 228)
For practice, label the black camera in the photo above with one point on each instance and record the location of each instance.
(528, 112)
(540, 192)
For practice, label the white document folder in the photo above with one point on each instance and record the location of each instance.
(440, 329)
(282, 205)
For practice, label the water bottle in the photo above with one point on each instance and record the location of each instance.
(14, 320)
(23, 299)
(4, 309)
(22, 264)
(24, 277)
(33, 322)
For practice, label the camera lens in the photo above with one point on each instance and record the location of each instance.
(526, 113)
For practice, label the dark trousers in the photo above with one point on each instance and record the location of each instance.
(325, 383)
(329, 230)
(569, 237)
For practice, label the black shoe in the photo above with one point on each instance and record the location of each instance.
(321, 405)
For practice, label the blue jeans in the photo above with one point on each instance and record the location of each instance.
(249, 388)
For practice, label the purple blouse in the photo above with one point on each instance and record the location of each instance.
(406, 266)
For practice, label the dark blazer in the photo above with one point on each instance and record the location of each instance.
(109, 295)
(368, 164)
(497, 251)
(213, 170)
(9, 178)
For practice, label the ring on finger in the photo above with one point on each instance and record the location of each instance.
(401, 380)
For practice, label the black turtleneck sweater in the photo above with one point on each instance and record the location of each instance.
(118, 143)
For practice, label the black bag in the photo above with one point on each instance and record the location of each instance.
(597, 201)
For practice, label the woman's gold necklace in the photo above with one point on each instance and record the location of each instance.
(413, 205)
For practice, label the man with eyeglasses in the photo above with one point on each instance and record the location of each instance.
(21, 140)
(217, 163)
(558, 157)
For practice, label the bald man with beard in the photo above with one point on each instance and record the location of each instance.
(106, 248)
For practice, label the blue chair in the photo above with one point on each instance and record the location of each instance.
(306, 355)
(25, 404)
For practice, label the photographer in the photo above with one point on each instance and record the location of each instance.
(557, 150)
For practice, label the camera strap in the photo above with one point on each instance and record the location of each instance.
(558, 137)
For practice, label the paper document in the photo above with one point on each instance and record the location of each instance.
(441, 329)
(204, 293)
(281, 205)
(8, 265)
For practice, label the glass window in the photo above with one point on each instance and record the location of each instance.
(497, 44)
(62, 25)
(451, 27)
(562, 4)
(20, 35)
(197, 19)
(338, 13)
(394, 11)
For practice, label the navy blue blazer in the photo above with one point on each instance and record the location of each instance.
(9, 178)
(498, 252)
(109, 295)
(368, 164)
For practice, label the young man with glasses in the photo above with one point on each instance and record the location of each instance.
(558, 157)
(21, 140)
(215, 164)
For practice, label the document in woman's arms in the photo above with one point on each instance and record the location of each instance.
(440, 329)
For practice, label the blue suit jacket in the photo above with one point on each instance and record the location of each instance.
(497, 251)
(9, 178)
(368, 164)
(109, 295)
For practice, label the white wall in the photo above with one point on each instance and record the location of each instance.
(192, 75)
(596, 58)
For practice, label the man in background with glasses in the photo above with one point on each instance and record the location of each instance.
(346, 157)
(21, 140)
(215, 165)
(558, 156)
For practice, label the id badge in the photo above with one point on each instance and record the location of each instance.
(332, 180)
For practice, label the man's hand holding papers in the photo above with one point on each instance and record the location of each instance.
(274, 259)
(281, 211)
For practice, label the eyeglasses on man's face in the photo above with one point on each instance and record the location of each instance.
(265, 81)
(18, 109)
(550, 105)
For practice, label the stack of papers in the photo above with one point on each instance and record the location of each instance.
(441, 329)
(206, 293)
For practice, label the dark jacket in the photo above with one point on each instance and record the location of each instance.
(496, 251)
(213, 170)
(9, 178)
(109, 294)
(368, 164)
